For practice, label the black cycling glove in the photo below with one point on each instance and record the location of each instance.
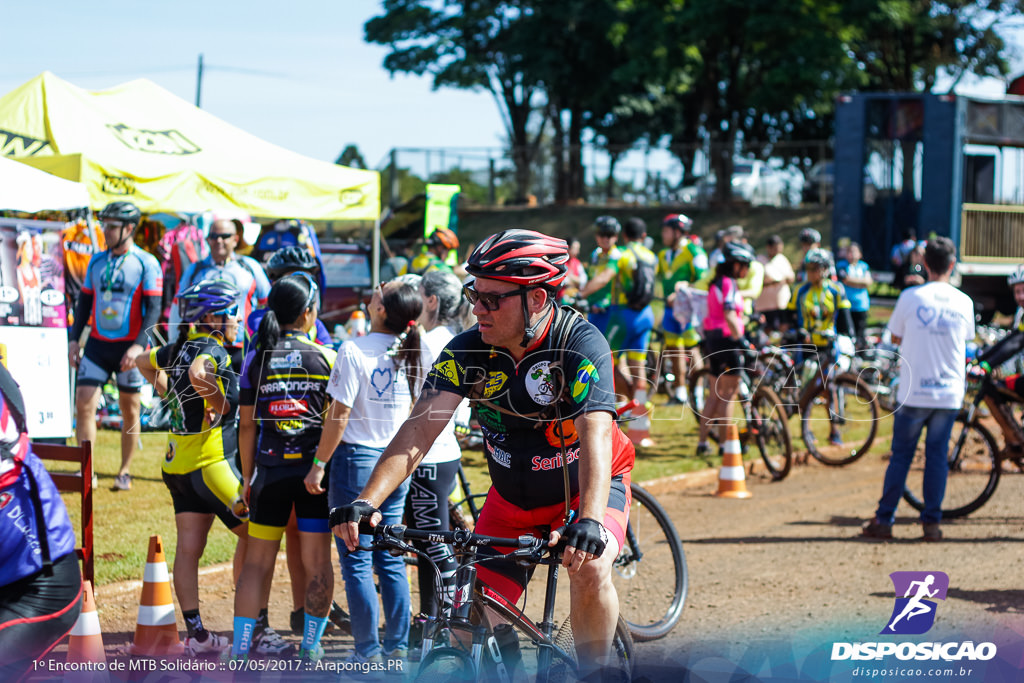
(587, 535)
(356, 511)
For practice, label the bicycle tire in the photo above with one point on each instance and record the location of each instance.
(697, 386)
(623, 649)
(974, 469)
(856, 422)
(444, 664)
(649, 604)
(769, 431)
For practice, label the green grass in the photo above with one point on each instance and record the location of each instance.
(124, 520)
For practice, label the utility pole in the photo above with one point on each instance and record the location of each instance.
(199, 81)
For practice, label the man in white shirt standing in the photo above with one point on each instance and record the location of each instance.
(775, 293)
(936, 320)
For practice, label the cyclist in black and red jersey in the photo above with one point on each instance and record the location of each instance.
(541, 377)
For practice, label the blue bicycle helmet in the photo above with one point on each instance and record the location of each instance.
(208, 296)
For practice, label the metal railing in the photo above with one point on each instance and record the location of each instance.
(992, 233)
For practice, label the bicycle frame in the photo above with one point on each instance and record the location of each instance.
(1013, 434)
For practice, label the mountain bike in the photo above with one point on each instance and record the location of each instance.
(650, 573)
(975, 460)
(492, 652)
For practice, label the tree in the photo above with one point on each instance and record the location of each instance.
(351, 157)
(468, 45)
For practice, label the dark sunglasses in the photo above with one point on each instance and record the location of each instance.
(214, 236)
(491, 302)
(230, 311)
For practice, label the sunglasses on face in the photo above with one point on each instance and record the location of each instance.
(230, 311)
(490, 301)
(215, 236)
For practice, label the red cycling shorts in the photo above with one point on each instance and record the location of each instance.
(502, 519)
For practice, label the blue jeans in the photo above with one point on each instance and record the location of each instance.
(906, 431)
(350, 470)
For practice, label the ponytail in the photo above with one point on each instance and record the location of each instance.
(402, 306)
(267, 336)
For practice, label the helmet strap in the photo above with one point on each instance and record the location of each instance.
(124, 237)
(531, 330)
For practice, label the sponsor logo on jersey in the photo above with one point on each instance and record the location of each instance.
(495, 381)
(585, 374)
(5, 498)
(288, 407)
(171, 449)
(290, 360)
(500, 456)
(51, 297)
(540, 384)
(448, 369)
(539, 464)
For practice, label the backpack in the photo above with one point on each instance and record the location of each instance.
(642, 292)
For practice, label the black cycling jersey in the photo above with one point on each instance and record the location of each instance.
(513, 404)
(290, 398)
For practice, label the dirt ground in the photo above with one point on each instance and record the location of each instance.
(784, 566)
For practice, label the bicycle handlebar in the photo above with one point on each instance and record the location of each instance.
(395, 536)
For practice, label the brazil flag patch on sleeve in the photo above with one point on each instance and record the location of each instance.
(585, 374)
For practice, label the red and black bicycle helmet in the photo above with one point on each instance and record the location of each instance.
(523, 257)
(678, 221)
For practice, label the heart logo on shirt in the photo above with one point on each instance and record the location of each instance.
(380, 380)
(926, 314)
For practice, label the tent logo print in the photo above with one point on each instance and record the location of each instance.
(914, 611)
(120, 185)
(14, 145)
(154, 141)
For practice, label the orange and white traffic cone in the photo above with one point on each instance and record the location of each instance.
(732, 481)
(639, 427)
(85, 643)
(156, 632)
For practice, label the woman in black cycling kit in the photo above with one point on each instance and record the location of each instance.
(196, 374)
(283, 400)
(40, 582)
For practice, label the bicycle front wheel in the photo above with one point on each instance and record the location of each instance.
(973, 471)
(839, 420)
(768, 429)
(444, 665)
(623, 650)
(650, 571)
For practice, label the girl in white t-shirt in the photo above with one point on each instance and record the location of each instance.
(373, 385)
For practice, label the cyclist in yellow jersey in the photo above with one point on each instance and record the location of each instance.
(682, 260)
(196, 374)
(440, 243)
(605, 256)
(817, 304)
(630, 318)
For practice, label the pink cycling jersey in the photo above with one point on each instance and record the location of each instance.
(723, 295)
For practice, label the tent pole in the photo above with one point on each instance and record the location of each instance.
(375, 279)
(199, 82)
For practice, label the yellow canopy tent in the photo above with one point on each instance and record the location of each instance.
(138, 142)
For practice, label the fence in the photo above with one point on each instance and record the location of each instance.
(765, 173)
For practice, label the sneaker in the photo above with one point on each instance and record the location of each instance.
(123, 482)
(875, 529)
(932, 532)
(835, 438)
(213, 644)
(356, 658)
(314, 655)
(269, 643)
(703, 449)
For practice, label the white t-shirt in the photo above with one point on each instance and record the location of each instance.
(366, 379)
(935, 321)
(446, 446)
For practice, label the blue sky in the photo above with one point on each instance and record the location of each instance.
(296, 73)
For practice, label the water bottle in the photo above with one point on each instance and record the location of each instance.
(356, 325)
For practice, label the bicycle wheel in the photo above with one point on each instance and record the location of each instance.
(622, 648)
(767, 427)
(443, 664)
(699, 384)
(650, 571)
(839, 428)
(973, 471)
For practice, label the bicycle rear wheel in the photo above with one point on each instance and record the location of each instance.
(698, 386)
(839, 427)
(973, 471)
(650, 571)
(767, 427)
